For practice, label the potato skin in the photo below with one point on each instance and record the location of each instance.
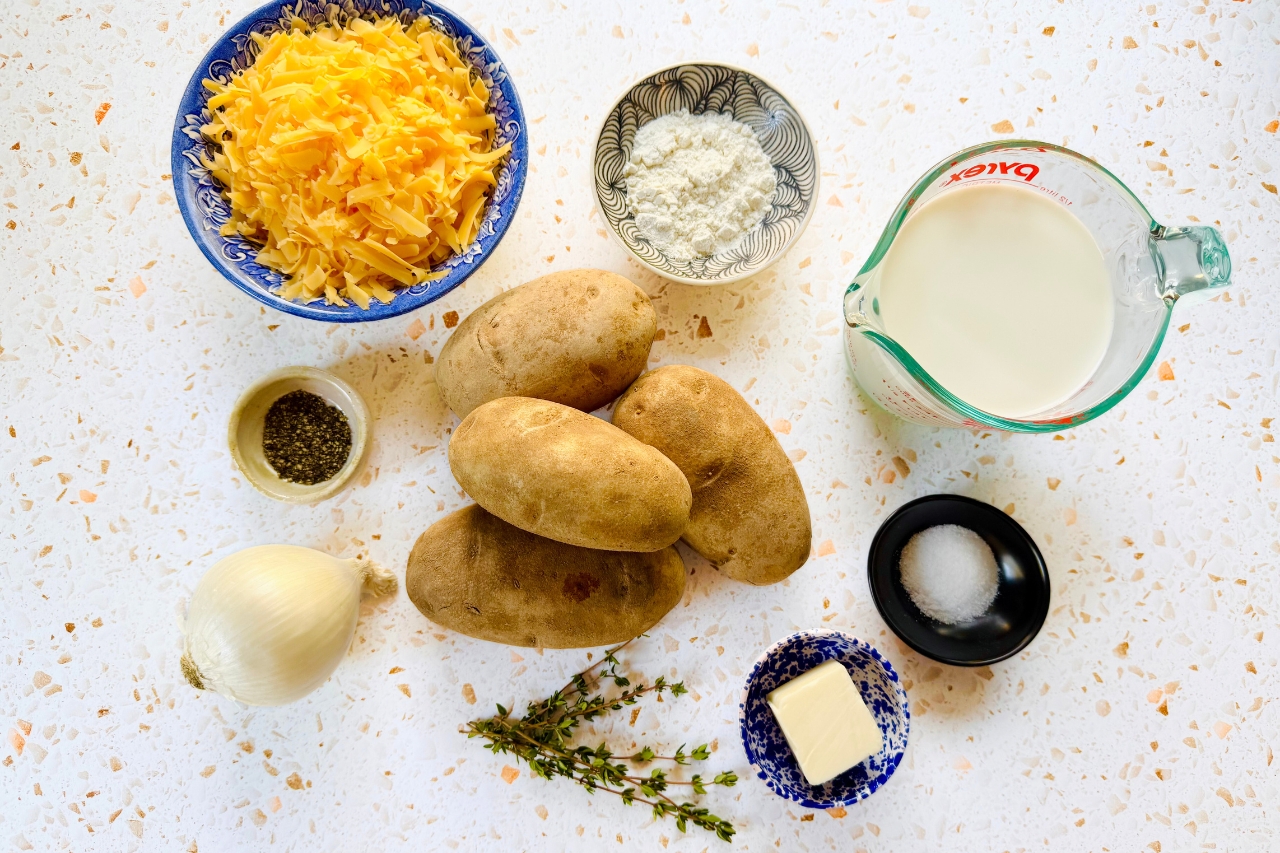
(750, 517)
(577, 337)
(475, 574)
(563, 474)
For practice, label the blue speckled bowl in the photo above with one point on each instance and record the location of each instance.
(765, 745)
(204, 209)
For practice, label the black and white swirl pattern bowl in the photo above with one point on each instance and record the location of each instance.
(204, 209)
(881, 691)
(710, 88)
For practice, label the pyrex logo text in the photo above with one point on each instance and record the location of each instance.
(1026, 171)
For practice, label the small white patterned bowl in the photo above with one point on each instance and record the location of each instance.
(704, 87)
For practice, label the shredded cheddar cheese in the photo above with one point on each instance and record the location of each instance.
(356, 157)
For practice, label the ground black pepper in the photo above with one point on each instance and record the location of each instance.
(305, 439)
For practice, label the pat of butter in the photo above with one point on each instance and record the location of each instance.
(825, 722)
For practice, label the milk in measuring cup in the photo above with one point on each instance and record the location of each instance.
(1001, 295)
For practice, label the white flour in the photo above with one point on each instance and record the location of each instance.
(697, 183)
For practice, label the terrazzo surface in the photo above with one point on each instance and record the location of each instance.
(1144, 716)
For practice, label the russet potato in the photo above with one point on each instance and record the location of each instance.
(577, 337)
(566, 475)
(475, 574)
(750, 517)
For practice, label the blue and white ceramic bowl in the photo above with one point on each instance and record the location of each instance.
(704, 87)
(765, 745)
(205, 210)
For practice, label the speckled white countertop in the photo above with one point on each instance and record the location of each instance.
(1144, 716)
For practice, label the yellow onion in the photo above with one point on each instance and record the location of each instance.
(269, 624)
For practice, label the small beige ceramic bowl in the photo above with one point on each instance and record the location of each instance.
(244, 432)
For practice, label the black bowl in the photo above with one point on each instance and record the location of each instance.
(1022, 597)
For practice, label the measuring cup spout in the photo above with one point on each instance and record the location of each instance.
(859, 309)
(1190, 260)
(853, 316)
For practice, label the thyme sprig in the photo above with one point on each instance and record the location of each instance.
(542, 739)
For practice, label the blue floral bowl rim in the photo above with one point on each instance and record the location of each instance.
(881, 660)
(193, 100)
(617, 238)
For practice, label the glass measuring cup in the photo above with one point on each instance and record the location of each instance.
(1152, 267)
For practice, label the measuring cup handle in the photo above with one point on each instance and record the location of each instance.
(1190, 260)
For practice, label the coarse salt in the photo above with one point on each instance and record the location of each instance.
(950, 573)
